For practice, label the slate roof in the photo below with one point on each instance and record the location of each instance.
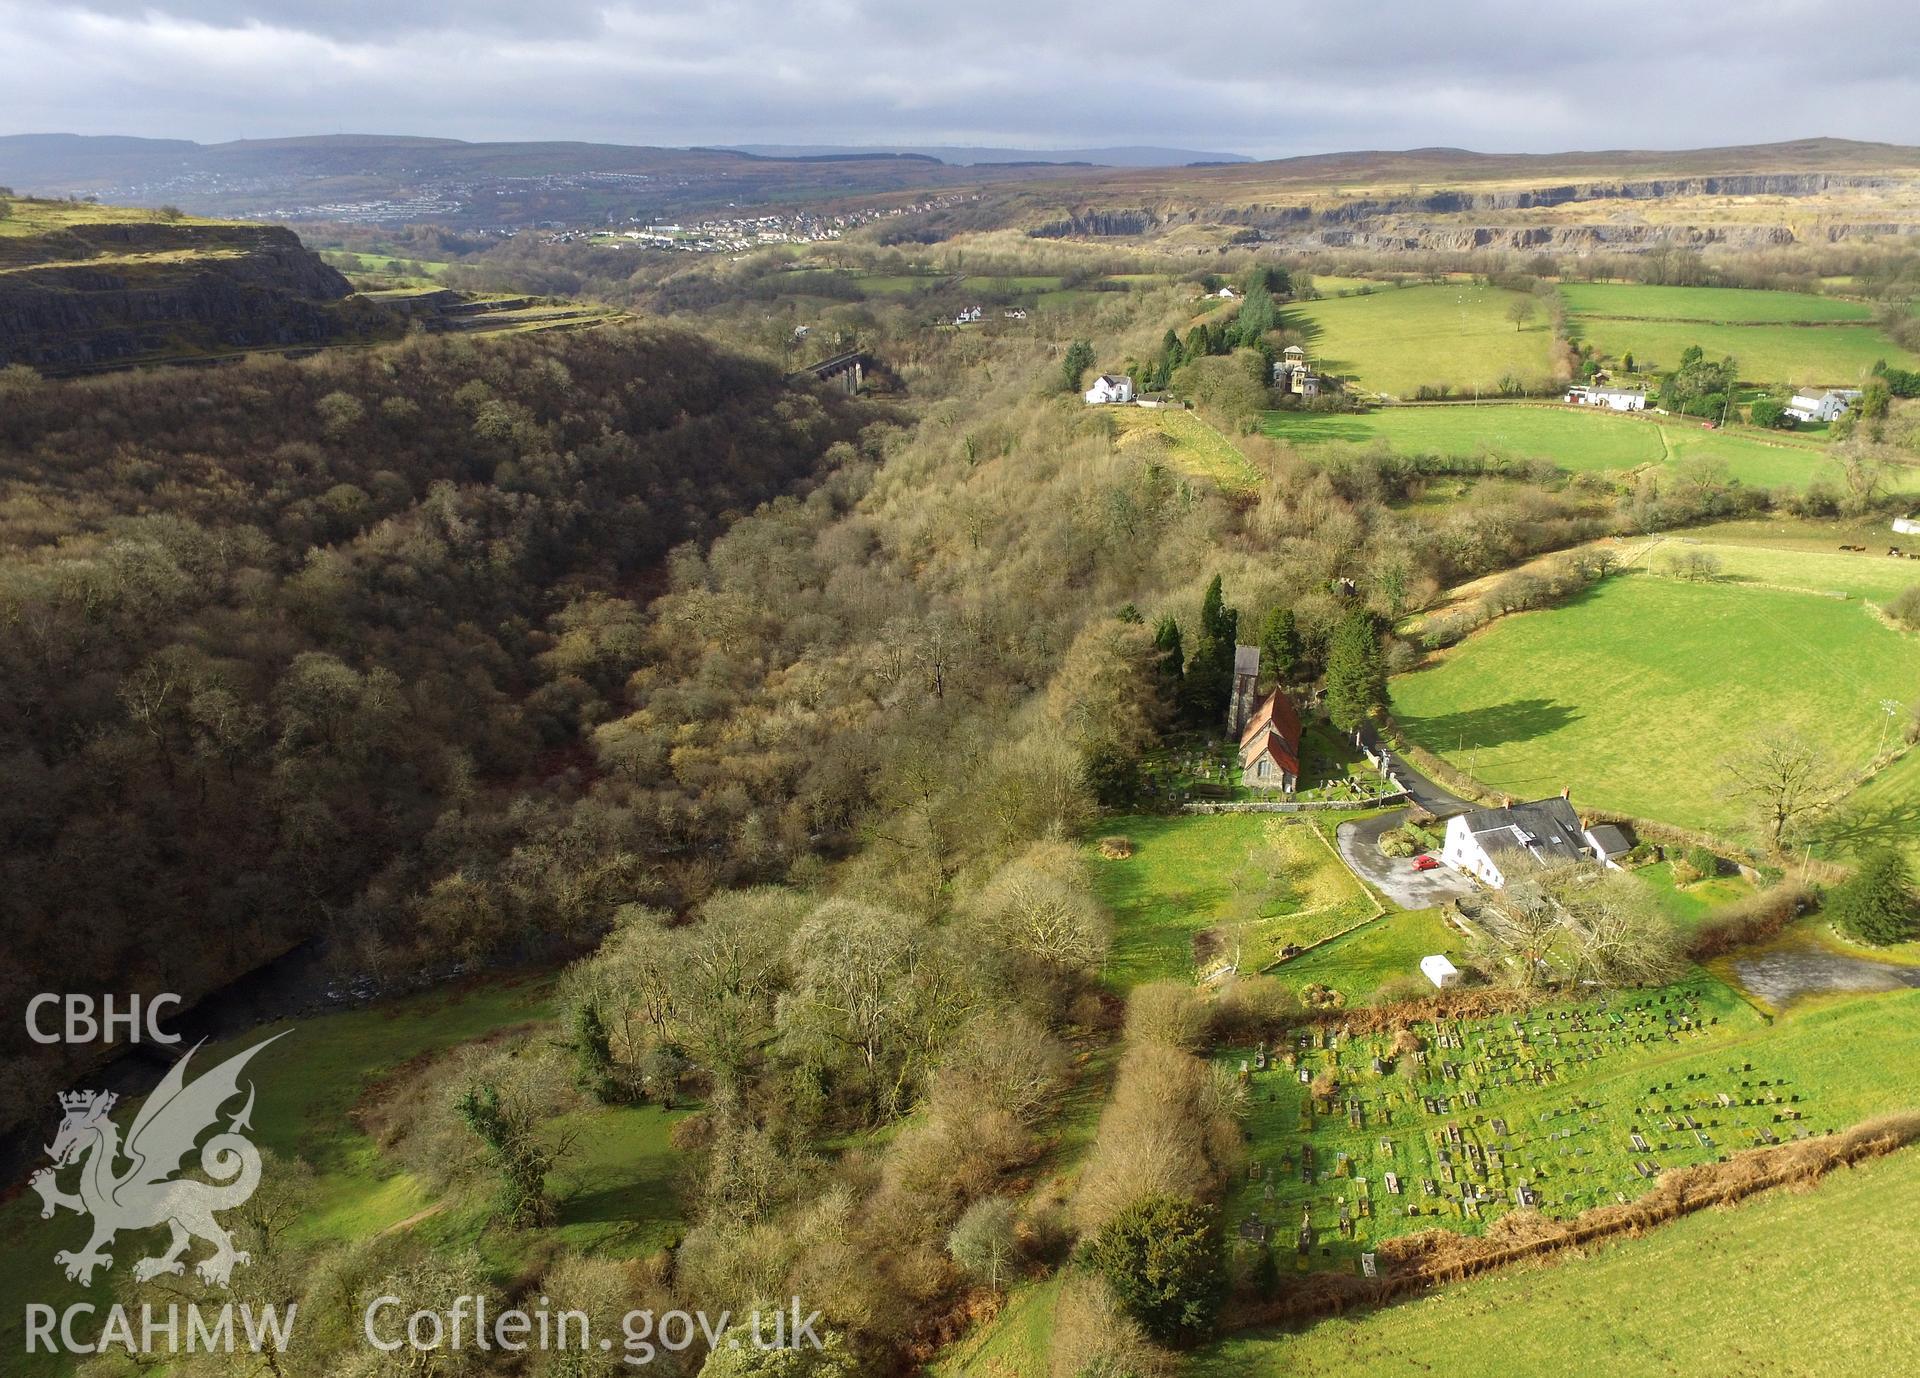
(1546, 830)
(1611, 839)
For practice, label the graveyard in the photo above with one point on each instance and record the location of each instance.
(1206, 769)
(1355, 1137)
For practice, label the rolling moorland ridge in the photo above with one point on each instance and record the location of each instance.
(1278, 768)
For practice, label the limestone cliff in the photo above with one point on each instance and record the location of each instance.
(91, 296)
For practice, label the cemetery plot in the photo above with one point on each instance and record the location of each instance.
(1357, 1137)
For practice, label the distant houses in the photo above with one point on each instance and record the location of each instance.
(968, 316)
(1270, 745)
(1614, 399)
(1829, 405)
(1490, 844)
(1109, 388)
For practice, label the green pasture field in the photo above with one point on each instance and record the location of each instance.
(1396, 340)
(1543, 1105)
(1576, 439)
(1780, 1283)
(1192, 446)
(1635, 692)
(1333, 285)
(1259, 881)
(355, 261)
(1800, 355)
(615, 1189)
(1361, 962)
(1825, 569)
(1725, 305)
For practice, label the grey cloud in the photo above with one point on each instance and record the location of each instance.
(1245, 75)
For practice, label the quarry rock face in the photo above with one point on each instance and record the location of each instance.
(96, 296)
(1497, 218)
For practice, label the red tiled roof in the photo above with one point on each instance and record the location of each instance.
(1273, 729)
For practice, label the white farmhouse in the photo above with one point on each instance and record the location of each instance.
(1440, 971)
(1614, 399)
(1907, 526)
(1109, 387)
(1829, 405)
(1489, 843)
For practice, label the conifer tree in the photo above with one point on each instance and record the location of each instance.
(1356, 672)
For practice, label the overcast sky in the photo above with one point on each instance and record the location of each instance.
(1263, 77)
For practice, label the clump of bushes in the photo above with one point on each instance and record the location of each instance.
(1398, 843)
(1116, 848)
(1251, 1008)
(1904, 608)
(1698, 863)
(1751, 921)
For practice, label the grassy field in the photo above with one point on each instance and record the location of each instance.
(1634, 693)
(615, 1188)
(39, 217)
(1725, 305)
(1358, 964)
(1190, 444)
(1688, 906)
(1802, 355)
(1395, 341)
(354, 261)
(1256, 881)
(1333, 285)
(1779, 1284)
(1572, 1106)
(1576, 439)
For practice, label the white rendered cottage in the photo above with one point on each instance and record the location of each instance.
(1488, 843)
(1109, 387)
(1829, 405)
(1614, 399)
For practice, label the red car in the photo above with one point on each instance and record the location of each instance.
(1424, 863)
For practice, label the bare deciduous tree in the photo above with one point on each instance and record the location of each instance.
(1785, 780)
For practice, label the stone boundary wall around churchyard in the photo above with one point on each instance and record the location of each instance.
(1295, 805)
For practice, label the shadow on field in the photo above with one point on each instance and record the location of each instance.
(1893, 824)
(1494, 725)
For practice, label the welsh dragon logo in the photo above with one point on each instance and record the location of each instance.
(146, 1192)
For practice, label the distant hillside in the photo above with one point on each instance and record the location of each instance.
(389, 179)
(975, 156)
(89, 287)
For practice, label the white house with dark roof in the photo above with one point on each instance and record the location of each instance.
(1614, 399)
(1109, 387)
(1829, 405)
(1490, 844)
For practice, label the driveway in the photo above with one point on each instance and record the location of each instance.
(1395, 877)
(1429, 796)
